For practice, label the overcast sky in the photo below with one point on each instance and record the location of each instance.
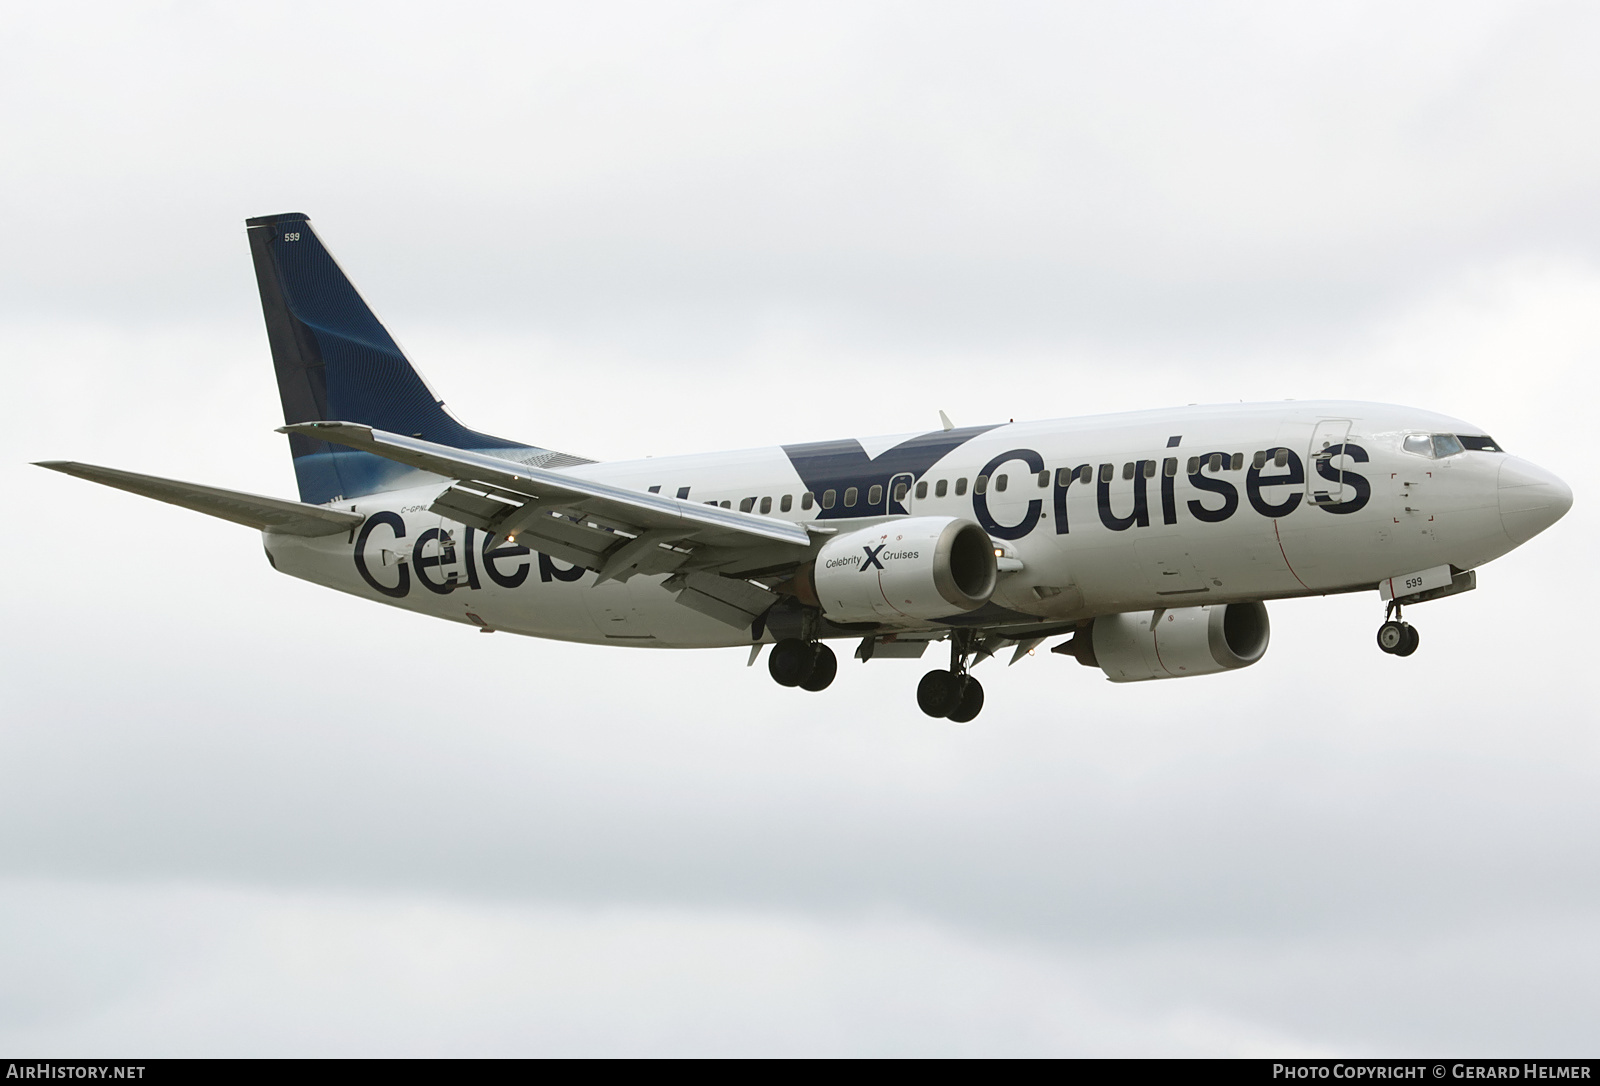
(243, 815)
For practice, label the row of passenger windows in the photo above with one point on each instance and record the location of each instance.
(1433, 445)
(1084, 473)
(785, 503)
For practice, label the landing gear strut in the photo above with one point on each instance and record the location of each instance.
(810, 665)
(954, 694)
(1397, 637)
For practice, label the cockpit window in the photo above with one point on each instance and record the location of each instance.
(1439, 446)
(1480, 443)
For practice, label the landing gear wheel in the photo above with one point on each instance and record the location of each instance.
(1392, 637)
(971, 703)
(824, 666)
(1412, 640)
(789, 662)
(938, 693)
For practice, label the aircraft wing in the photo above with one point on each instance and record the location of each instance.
(612, 530)
(254, 510)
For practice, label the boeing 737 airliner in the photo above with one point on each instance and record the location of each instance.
(1149, 540)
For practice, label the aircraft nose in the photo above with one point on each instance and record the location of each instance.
(1531, 499)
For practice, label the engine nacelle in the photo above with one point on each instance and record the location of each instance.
(907, 570)
(1174, 642)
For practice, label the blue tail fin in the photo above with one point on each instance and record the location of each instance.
(335, 361)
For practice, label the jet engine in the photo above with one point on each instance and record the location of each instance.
(904, 571)
(1172, 642)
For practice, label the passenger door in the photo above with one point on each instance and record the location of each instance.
(1320, 490)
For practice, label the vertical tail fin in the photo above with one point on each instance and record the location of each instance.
(336, 361)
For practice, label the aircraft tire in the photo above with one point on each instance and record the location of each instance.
(824, 666)
(1412, 640)
(1392, 637)
(971, 703)
(789, 662)
(938, 693)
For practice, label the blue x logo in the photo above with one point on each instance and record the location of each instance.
(872, 557)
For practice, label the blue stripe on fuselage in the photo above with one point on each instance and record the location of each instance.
(840, 465)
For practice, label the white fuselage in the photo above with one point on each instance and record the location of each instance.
(1076, 543)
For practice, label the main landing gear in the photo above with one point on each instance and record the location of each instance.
(1396, 637)
(810, 665)
(954, 694)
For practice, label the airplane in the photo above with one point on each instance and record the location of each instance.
(1149, 540)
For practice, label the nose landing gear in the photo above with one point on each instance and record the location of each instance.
(810, 665)
(954, 694)
(1396, 637)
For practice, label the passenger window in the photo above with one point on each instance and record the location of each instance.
(1063, 477)
(1044, 479)
(1215, 463)
(961, 487)
(1169, 467)
(939, 488)
(875, 495)
(1108, 472)
(922, 490)
(900, 492)
(980, 485)
(828, 498)
(1280, 458)
(1149, 468)
(1446, 445)
(1085, 474)
(1127, 470)
(850, 496)
(999, 482)
(1238, 461)
(786, 504)
(726, 505)
(806, 499)
(766, 505)
(746, 504)
(1259, 461)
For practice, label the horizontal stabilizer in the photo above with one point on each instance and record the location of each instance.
(253, 510)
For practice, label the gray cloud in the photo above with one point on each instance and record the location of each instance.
(925, 166)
